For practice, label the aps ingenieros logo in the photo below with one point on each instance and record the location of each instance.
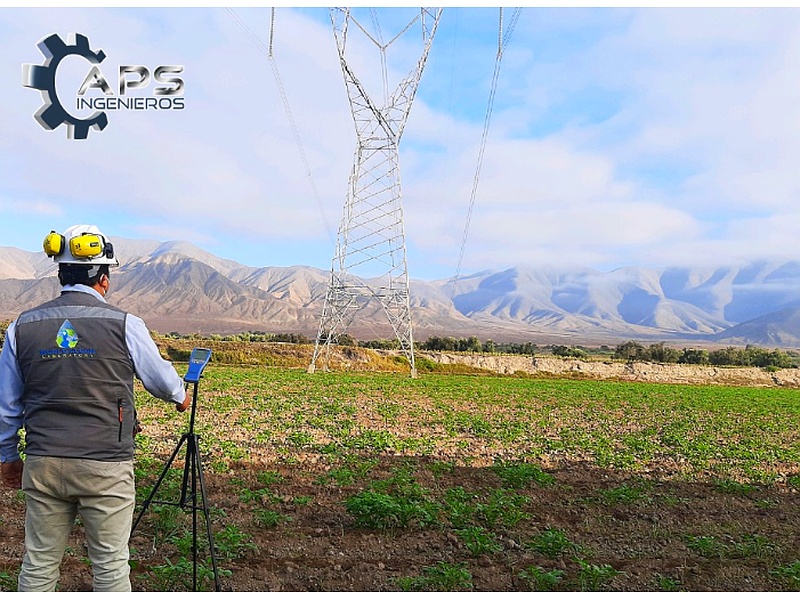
(167, 93)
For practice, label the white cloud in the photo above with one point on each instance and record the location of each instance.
(30, 206)
(619, 136)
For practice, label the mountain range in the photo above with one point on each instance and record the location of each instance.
(176, 286)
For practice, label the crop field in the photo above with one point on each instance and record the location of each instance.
(365, 481)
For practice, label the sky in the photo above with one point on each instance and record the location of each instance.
(609, 137)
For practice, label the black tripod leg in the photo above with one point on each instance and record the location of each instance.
(192, 472)
(190, 479)
(207, 516)
(188, 471)
(152, 494)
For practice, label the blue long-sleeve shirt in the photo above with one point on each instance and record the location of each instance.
(156, 374)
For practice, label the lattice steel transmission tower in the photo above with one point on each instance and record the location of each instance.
(369, 262)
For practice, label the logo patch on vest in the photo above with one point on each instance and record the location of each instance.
(67, 341)
(66, 338)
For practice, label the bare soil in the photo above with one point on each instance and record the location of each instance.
(623, 371)
(644, 541)
(651, 540)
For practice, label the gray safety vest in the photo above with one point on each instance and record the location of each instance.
(78, 376)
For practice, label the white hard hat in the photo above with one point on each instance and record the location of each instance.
(80, 245)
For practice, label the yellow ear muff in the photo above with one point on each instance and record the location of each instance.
(53, 244)
(87, 245)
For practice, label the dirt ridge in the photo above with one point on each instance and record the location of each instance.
(623, 371)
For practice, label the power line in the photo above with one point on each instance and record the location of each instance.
(503, 40)
(268, 50)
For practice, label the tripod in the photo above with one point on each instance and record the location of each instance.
(192, 475)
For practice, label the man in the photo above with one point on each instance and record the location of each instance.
(66, 375)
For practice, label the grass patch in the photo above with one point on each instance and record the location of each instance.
(474, 463)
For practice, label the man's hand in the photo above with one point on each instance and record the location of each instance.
(187, 402)
(12, 473)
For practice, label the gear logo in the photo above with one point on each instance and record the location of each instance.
(52, 113)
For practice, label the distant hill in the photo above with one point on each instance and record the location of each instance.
(176, 286)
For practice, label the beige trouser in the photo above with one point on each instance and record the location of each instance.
(59, 489)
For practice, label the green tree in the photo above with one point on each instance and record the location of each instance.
(694, 356)
(440, 344)
(630, 351)
(662, 353)
(569, 351)
(471, 344)
(3, 328)
(347, 340)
